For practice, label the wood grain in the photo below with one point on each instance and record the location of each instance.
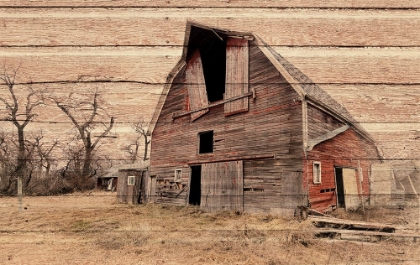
(217, 3)
(380, 66)
(365, 54)
(166, 26)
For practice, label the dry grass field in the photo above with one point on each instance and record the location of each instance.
(91, 228)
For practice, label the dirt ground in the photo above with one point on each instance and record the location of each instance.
(91, 228)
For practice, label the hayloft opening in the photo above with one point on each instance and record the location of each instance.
(205, 142)
(212, 47)
(213, 56)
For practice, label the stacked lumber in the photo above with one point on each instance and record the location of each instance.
(359, 230)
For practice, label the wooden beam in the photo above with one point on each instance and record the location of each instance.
(177, 115)
(196, 162)
(305, 130)
(352, 223)
(371, 235)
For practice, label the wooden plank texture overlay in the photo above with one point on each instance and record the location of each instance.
(365, 54)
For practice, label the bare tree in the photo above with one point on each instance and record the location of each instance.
(19, 113)
(45, 160)
(140, 128)
(86, 116)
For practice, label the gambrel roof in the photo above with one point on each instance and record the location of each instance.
(302, 84)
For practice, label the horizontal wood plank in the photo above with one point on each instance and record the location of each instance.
(216, 3)
(152, 64)
(156, 26)
(127, 48)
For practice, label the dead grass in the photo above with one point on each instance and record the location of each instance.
(408, 217)
(92, 228)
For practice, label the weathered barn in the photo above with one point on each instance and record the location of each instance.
(240, 128)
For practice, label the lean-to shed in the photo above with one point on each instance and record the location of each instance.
(109, 180)
(238, 127)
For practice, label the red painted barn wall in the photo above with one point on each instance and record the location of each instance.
(347, 149)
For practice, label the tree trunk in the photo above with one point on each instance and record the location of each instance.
(21, 166)
(86, 163)
(19, 192)
(146, 146)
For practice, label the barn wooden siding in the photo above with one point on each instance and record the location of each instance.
(268, 137)
(132, 194)
(346, 150)
(364, 53)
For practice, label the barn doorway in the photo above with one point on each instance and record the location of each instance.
(195, 186)
(339, 187)
(222, 186)
(346, 187)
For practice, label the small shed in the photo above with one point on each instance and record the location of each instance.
(132, 185)
(108, 182)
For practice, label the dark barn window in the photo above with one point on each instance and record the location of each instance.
(213, 55)
(205, 144)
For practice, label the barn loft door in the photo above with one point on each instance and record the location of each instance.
(351, 195)
(237, 58)
(196, 86)
(222, 186)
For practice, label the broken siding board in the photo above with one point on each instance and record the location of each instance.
(196, 86)
(372, 236)
(353, 224)
(237, 75)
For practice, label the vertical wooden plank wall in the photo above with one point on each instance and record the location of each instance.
(196, 87)
(222, 186)
(237, 74)
(364, 53)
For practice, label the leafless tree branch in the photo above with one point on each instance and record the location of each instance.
(13, 115)
(85, 125)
